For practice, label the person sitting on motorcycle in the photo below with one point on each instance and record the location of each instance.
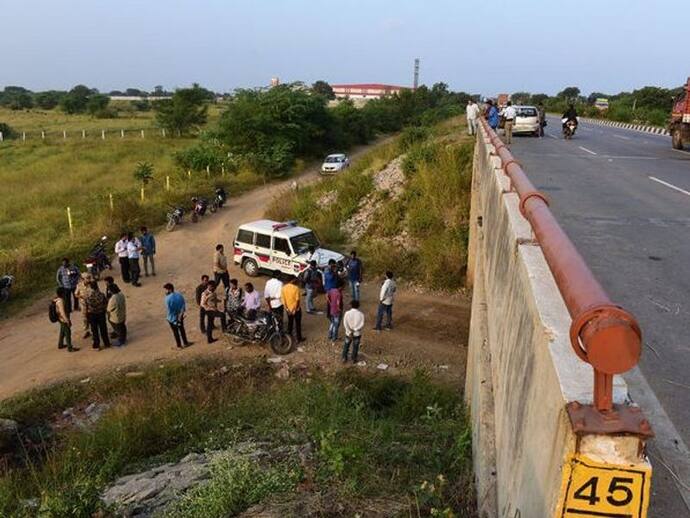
(222, 195)
(569, 115)
(199, 205)
(251, 303)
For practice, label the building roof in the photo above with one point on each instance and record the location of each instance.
(371, 86)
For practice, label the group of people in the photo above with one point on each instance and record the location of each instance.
(129, 249)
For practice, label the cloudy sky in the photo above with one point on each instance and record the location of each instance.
(479, 47)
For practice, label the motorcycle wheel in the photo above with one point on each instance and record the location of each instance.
(4, 295)
(195, 217)
(171, 224)
(213, 207)
(280, 343)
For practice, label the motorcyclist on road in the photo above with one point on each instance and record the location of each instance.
(569, 115)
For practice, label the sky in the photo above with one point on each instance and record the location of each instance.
(485, 47)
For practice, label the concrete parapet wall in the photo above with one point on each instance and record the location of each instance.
(521, 369)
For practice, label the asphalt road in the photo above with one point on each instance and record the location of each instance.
(623, 197)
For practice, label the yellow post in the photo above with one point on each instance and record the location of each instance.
(142, 193)
(167, 183)
(112, 207)
(189, 174)
(208, 171)
(222, 170)
(69, 222)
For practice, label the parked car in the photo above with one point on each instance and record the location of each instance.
(272, 245)
(527, 120)
(335, 163)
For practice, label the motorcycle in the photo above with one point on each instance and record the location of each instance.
(219, 199)
(265, 329)
(174, 218)
(569, 127)
(6, 282)
(199, 206)
(98, 259)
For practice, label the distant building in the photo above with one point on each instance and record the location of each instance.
(366, 90)
(275, 81)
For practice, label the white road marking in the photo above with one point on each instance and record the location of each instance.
(680, 151)
(587, 150)
(621, 136)
(669, 185)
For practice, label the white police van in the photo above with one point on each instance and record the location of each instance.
(272, 245)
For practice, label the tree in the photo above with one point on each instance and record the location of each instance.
(569, 93)
(16, 98)
(97, 103)
(135, 92)
(48, 99)
(538, 98)
(521, 97)
(185, 110)
(143, 172)
(323, 88)
(591, 98)
(77, 99)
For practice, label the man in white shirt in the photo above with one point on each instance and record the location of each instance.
(509, 113)
(472, 112)
(122, 257)
(353, 322)
(386, 296)
(133, 254)
(272, 294)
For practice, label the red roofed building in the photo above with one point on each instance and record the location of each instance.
(365, 90)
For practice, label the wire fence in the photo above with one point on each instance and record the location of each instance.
(103, 134)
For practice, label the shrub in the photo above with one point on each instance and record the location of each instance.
(7, 131)
(411, 136)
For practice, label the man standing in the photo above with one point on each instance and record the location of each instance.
(68, 278)
(96, 306)
(509, 114)
(220, 267)
(492, 116)
(65, 337)
(148, 250)
(331, 278)
(386, 296)
(200, 289)
(472, 112)
(311, 282)
(117, 313)
(233, 299)
(175, 307)
(272, 293)
(123, 257)
(291, 297)
(334, 309)
(133, 253)
(541, 113)
(353, 322)
(354, 274)
(212, 304)
(82, 292)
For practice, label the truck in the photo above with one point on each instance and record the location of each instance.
(679, 126)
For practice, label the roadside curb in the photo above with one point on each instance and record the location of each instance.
(635, 127)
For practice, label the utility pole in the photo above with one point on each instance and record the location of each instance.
(416, 73)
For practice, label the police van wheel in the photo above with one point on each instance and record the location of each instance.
(251, 268)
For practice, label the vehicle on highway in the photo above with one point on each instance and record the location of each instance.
(680, 119)
(265, 329)
(6, 282)
(267, 245)
(569, 127)
(335, 163)
(98, 261)
(174, 218)
(526, 120)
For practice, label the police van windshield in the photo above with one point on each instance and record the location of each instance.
(301, 243)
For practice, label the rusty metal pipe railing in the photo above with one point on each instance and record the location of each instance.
(602, 333)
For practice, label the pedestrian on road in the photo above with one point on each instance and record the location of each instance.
(541, 114)
(133, 254)
(291, 297)
(251, 303)
(200, 289)
(65, 336)
(472, 112)
(334, 312)
(68, 278)
(96, 306)
(82, 292)
(311, 282)
(353, 322)
(386, 296)
(123, 256)
(211, 303)
(117, 314)
(272, 293)
(233, 300)
(220, 267)
(355, 269)
(492, 116)
(175, 307)
(509, 114)
(148, 250)
(109, 285)
(331, 279)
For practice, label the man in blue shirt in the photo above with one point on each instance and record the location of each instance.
(175, 306)
(354, 274)
(148, 250)
(492, 116)
(330, 277)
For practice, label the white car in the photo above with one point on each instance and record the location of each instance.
(335, 163)
(272, 245)
(527, 120)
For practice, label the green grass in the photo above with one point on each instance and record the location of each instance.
(373, 436)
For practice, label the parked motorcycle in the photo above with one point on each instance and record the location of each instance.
(6, 282)
(218, 200)
(98, 259)
(569, 127)
(265, 329)
(174, 218)
(199, 206)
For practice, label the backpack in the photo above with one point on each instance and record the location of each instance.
(52, 312)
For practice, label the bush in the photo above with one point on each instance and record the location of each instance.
(201, 155)
(411, 136)
(7, 131)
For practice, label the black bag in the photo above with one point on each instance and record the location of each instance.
(52, 312)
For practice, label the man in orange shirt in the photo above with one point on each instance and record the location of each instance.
(291, 297)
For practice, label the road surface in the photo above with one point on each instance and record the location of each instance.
(623, 197)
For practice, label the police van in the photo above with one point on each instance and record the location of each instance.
(267, 245)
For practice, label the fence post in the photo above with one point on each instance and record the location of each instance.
(222, 170)
(167, 183)
(64, 134)
(83, 133)
(163, 130)
(189, 174)
(143, 197)
(208, 171)
(122, 133)
(69, 222)
(23, 135)
(1, 137)
(103, 134)
(142, 133)
(110, 197)
(43, 135)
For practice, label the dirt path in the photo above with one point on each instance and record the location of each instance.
(431, 330)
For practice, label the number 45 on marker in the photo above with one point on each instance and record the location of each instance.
(596, 490)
